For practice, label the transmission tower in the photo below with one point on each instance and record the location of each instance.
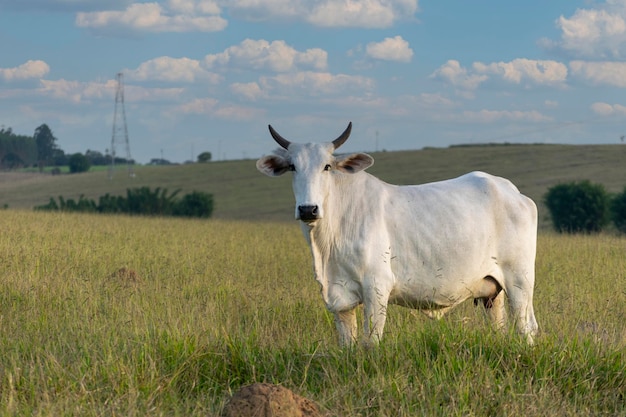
(120, 130)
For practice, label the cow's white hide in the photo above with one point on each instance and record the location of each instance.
(428, 246)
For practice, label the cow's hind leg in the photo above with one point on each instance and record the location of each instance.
(345, 321)
(493, 302)
(496, 310)
(520, 294)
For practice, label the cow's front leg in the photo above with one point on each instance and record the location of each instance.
(375, 314)
(345, 321)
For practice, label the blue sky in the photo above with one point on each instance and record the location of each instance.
(210, 75)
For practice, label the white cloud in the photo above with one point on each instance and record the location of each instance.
(172, 70)
(60, 5)
(424, 106)
(263, 55)
(133, 93)
(605, 109)
(238, 113)
(390, 49)
(328, 13)
(361, 103)
(352, 14)
(453, 73)
(177, 16)
(205, 15)
(536, 71)
(189, 7)
(316, 83)
(250, 91)
(315, 58)
(28, 70)
(259, 10)
(435, 101)
(598, 32)
(608, 73)
(198, 106)
(519, 70)
(78, 92)
(212, 107)
(491, 116)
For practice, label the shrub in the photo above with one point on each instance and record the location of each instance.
(618, 211)
(112, 204)
(51, 206)
(204, 157)
(79, 163)
(578, 207)
(196, 204)
(141, 201)
(83, 204)
(145, 201)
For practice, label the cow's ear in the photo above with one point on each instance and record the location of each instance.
(354, 162)
(273, 165)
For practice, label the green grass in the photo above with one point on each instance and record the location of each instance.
(219, 304)
(242, 193)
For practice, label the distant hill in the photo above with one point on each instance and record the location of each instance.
(242, 193)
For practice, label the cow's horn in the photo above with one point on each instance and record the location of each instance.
(279, 139)
(343, 137)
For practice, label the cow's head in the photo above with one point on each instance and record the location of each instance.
(315, 170)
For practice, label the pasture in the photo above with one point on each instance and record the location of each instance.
(242, 193)
(133, 316)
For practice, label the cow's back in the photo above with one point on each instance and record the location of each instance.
(484, 200)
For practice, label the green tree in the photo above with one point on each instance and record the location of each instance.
(97, 158)
(155, 203)
(12, 161)
(195, 204)
(204, 157)
(578, 207)
(46, 145)
(618, 209)
(59, 158)
(16, 150)
(79, 163)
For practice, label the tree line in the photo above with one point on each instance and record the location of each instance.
(41, 150)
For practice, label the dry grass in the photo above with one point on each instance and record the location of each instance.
(224, 304)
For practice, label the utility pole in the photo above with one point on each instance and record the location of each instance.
(376, 140)
(120, 130)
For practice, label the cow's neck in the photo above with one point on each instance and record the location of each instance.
(343, 208)
(343, 215)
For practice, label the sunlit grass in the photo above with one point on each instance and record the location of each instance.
(214, 305)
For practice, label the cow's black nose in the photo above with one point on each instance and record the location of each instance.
(308, 213)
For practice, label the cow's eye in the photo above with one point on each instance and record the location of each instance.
(327, 167)
(292, 167)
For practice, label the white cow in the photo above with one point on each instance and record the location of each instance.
(428, 246)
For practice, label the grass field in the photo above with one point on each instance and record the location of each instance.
(242, 193)
(213, 305)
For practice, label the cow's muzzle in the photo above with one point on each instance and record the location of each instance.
(308, 213)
